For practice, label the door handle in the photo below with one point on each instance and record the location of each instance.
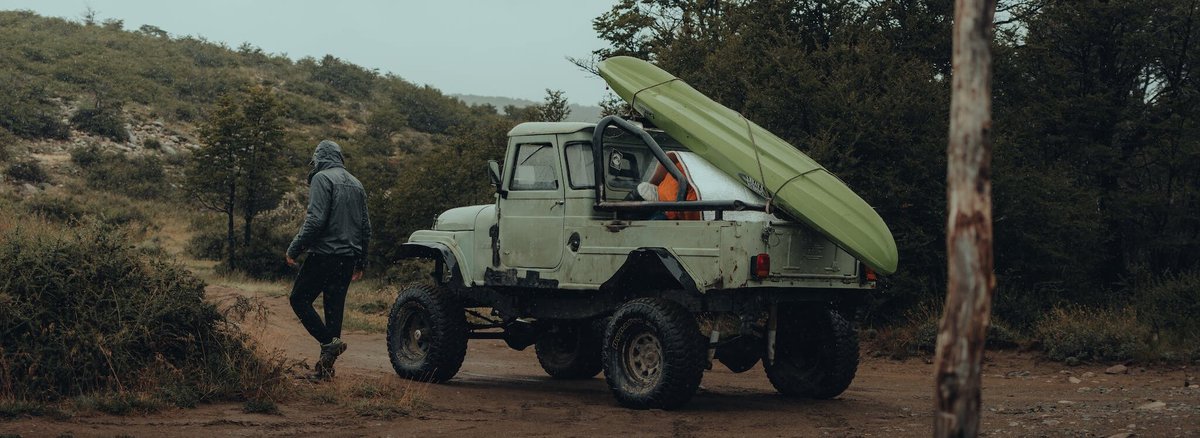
(560, 202)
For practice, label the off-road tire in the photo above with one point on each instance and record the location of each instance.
(816, 353)
(436, 353)
(570, 350)
(654, 355)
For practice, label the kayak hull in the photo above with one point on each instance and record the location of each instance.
(765, 163)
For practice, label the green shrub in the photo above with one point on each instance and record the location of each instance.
(75, 211)
(27, 171)
(263, 259)
(152, 144)
(138, 176)
(1092, 334)
(85, 313)
(1169, 306)
(87, 156)
(918, 336)
(6, 141)
(207, 244)
(106, 121)
(26, 109)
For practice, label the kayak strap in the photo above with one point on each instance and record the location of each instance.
(785, 183)
(633, 100)
(761, 177)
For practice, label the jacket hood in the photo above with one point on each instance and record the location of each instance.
(328, 155)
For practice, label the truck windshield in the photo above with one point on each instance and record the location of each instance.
(535, 168)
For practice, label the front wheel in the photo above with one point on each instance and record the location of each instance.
(816, 353)
(654, 355)
(427, 334)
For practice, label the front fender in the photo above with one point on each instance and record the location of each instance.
(447, 269)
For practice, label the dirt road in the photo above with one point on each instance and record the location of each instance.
(504, 393)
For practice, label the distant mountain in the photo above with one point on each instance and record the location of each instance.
(579, 113)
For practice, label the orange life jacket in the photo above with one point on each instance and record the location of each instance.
(668, 191)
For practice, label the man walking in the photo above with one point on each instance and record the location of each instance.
(335, 234)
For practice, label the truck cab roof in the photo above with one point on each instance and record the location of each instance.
(544, 128)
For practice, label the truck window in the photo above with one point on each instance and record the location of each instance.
(580, 172)
(534, 168)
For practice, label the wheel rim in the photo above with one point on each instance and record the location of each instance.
(643, 359)
(414, 334)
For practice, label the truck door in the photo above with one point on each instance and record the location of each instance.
(531, 216)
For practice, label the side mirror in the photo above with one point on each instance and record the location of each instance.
(494, 172)
(494, 176)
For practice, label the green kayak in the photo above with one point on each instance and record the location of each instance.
(792, 181)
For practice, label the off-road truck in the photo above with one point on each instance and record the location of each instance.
(566, 260)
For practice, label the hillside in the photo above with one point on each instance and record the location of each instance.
(73, 95)
(53, 67)
(579, 113)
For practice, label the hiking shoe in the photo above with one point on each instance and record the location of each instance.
(329, 355)
(319, 375)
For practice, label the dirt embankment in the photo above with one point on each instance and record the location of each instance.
(501, 392)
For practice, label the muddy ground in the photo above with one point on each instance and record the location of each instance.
(504, 393)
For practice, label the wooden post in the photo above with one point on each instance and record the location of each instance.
(971, 281)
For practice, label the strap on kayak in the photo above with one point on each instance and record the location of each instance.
(785, 183)
(633, 100)
(761, 177)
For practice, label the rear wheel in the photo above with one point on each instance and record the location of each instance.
(816, 353)
(654, 355)
(570, 350)
(427, 334)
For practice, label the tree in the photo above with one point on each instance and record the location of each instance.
(972, 281)
(554, 108)
(240, 163)
(262, 156)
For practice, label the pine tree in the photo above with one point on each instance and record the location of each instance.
(239, 166)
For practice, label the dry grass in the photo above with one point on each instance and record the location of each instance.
(382, 398)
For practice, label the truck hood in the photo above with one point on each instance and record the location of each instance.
(461, 218)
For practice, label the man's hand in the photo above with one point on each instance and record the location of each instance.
(357, 276)
(290, 261)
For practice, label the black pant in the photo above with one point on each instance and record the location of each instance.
(328, 275)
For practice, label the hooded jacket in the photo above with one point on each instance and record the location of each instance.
(336, 222)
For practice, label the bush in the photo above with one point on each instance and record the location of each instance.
(106, 121)
(26, 109)
(77, 211)
(27, 171)
(1092, 334)
(1168, 306)
(263, 259)
(85, 313)
(140, 176)
(207, 244)
(152, 144)
(918, 336)
(6, 141)
(87, 157)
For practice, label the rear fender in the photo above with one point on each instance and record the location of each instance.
(651, 269)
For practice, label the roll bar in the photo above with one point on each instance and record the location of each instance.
(635, 206)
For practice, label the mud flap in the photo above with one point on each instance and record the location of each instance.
(651, 269)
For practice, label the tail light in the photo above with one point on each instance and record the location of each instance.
(866, 275)
(760, 266)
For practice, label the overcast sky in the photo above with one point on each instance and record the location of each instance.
(511, 48)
